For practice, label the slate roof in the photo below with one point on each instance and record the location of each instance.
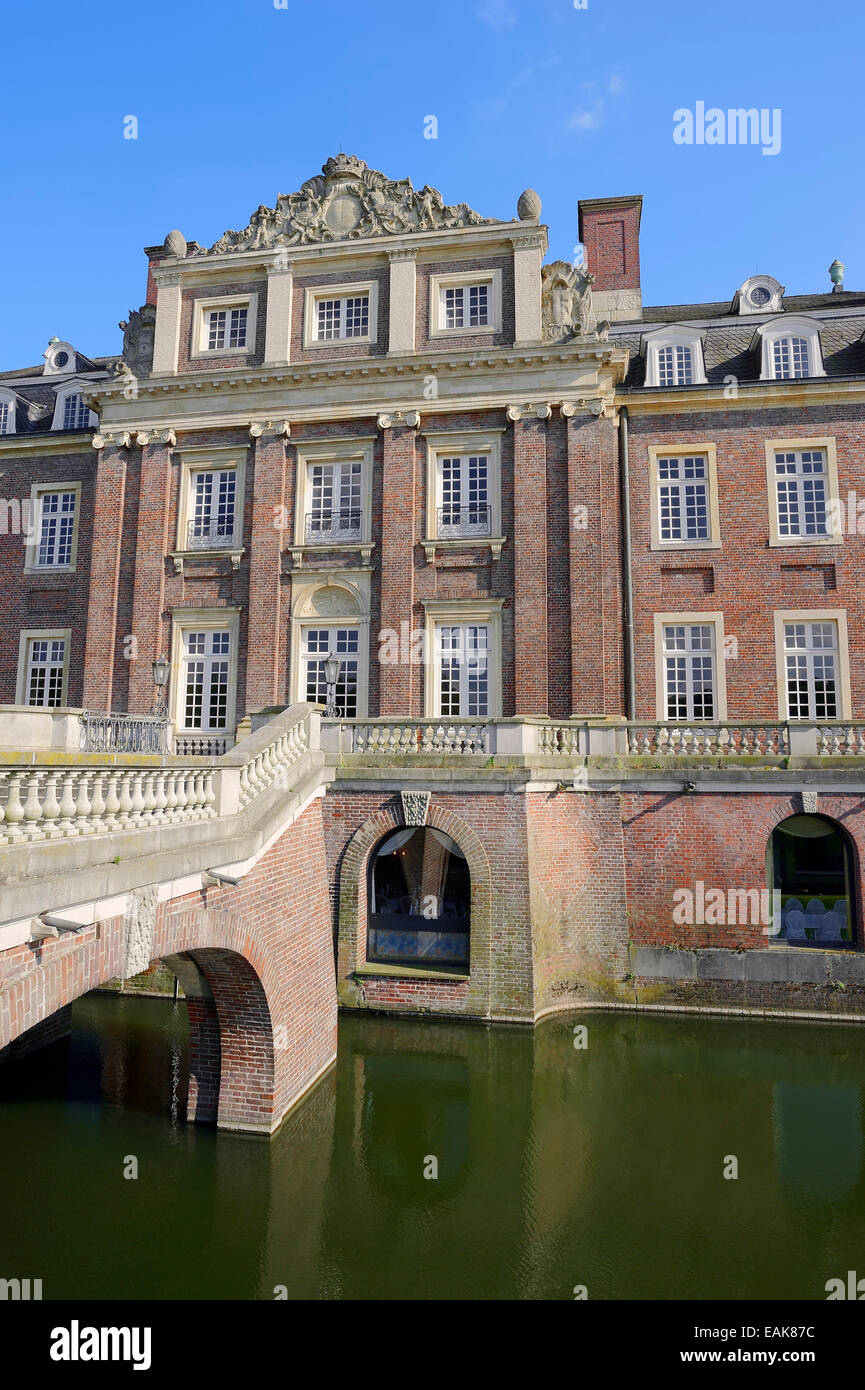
(36, 392)
(728, 342)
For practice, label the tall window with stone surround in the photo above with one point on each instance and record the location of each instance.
(334, 490)
(689, 671)
(206, 678)
(463, 670)
(683, 498)
(214, 497)
(46, 668)
(811, 662)
(801, 490)
(318, 644)
(56, 511)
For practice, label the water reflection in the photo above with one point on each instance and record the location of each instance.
(556, 1166)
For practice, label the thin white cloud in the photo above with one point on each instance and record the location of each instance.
(615, 84)
(587, 120)
(498, 14)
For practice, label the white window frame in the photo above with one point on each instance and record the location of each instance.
(456, 612)
(207, 459)
(462, 280)
(203, 620)
(200, 328)
(348, 290)
(789, 326)
(33, 634)
(443, 444)
(827, 445)
(838, 616)
(349, 593)
(34, 535)
(71, 388)
(9, 398)
(773, 305)
(331, 451)
(334, 625)
(51, 354)
(708, 451)
(674, 337)
(713, 619)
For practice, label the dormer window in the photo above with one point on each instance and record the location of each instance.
(76, 415)
(70, 412)
(7, 412)
(674, 357)
(675, 366)
(760, 294)
(60, 358)
(790, 349)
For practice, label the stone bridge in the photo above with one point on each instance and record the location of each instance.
(247, 875)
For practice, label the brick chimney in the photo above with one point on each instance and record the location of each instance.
(610, 232)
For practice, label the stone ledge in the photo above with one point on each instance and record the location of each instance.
(408, 972)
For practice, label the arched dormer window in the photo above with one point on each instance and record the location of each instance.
(60, 358)
(674, 356)
(70, 412)
(8, 406)
(790, 349)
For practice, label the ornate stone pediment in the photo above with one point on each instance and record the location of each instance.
(347, 201)
(566, 301)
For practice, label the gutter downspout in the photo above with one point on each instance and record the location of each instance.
(628, 585)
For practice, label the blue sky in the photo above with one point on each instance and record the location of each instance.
(237, 101)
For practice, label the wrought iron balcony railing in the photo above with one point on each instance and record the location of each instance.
(471, 519)
(344, 525)
(124, 733)
(211, 535)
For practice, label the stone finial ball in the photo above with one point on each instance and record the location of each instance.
(529, 205)
(175, 243)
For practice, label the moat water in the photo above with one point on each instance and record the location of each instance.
(558, 1167)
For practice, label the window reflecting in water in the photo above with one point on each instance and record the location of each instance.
(419, 901)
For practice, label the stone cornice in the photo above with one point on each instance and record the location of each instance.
(750, 395)
(58, 443)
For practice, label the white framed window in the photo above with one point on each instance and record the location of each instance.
(683, 482)
(760, 294)
(204, 667)
(224, 327)
(333, 494)
(689, 664)
(60, 358)
(70, 412)
(8, 407)
(464, 487)
(813, 664)
(341, 314)
(466, 302)
(463, 668)
(210, 510)
(674, 356)
(802, 486)
(213, 523)
(43, 667)
(790, 349)
(320, 642)
(52, 540)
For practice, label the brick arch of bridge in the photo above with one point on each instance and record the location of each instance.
(353, 877)
(255, 961)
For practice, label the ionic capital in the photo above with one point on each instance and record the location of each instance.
(389, 418)
(278, 429)
(529, 411)
(117, 441)
(163, 436)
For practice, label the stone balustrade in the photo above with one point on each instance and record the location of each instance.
(51, 801)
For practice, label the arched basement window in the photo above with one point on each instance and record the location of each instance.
(812, 876)
(419, 901)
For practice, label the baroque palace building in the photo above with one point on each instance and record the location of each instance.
(372, 453)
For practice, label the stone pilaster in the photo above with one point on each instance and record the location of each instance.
(148, 593)
(277, 330)
(100, 651)
(530, 558)
(265, 649)
(399, 484)
(166, 339)
(403, 295)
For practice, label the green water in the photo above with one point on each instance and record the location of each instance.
(557, 1167)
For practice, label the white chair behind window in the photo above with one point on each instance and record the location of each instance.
(794, 926)
(815, 906)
